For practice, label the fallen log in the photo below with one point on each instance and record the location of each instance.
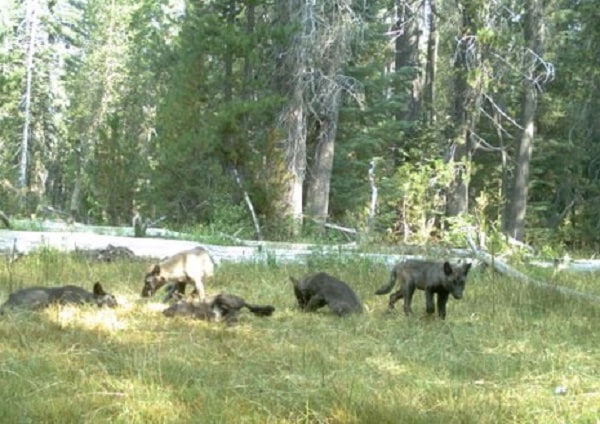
(503, 268)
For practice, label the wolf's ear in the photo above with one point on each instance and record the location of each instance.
(98, 290)
(466, 268)
(155, 270)
(447, 268)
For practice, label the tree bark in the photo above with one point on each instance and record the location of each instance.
(431, 64)
(32, 24)
(292, 63)
(319, 176)
(466, 100)
(329, 51)
(407, 61)
(75, 203)
(514, 223)
(295, 155)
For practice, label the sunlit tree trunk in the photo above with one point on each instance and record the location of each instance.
(294, 120)
(319, 178)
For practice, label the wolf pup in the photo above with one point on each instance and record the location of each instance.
(220, 307)
(438, 278)
(188, 267)
(40, 297)
(317, 290)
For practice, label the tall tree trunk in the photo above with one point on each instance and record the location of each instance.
(407, 62)
(330, 50)
(295, 154)
(514, 223)
(292, 66)
(431, 65)
(75, 203)
(466, 101)
(32, 24)
(319, 175)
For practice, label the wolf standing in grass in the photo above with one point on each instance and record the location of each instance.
(438, 278)
(191, 266)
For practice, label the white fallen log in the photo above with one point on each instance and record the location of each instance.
(575, 265)
(503, 268)
(16, 243)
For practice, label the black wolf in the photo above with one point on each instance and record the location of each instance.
(40, 297)
(439, 278)
(220, 307)
(317, 290)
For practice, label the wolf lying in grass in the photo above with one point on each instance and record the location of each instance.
(191, 266)
(438, 278)
(317, 290)
(220, 307)
(40, 297)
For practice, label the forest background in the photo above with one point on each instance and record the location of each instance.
(403, 120)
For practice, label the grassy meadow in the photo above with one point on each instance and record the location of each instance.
(499, 357)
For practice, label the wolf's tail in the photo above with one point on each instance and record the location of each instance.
(390, 284)
(261, 310)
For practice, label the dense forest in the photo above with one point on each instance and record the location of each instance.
(404, 120)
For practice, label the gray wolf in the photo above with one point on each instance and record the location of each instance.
(435, 278)
(314, 291)
(220, 307)
(40, 297)
(191, 266)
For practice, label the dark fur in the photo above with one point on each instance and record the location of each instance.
(317, 290)
(435, 278)
(220, 307)
(40, 297)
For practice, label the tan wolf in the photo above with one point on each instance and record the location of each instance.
(439, 278)
(191, 266)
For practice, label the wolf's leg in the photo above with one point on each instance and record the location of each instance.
(442, 299)
(170, 290)
(395, 296)
(315, 302)
(410, 290)
(200, 289)
(175, 291)
(429, 304)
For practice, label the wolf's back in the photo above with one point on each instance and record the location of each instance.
(29, 298)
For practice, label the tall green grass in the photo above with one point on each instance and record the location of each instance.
(497, 358)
